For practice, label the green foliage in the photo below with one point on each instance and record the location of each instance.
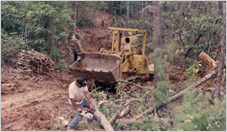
(107, 107)
(161, 91)
(101, 5)
(134, 8)
(147, 10)
(198, 24)
(54, 53)
(106, 110)
(42, 25)
(173, 52)
(149, 123)
(193, 70)
(57, 127)
(197, 113)
(119, 8)
(10, 46)
(86, 20)
(99, 96)
(87, 14)
(61, 64)
(48, 28)
(160, 62)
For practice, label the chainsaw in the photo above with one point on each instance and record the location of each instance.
(88, 114)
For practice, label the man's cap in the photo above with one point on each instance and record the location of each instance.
(81, 81)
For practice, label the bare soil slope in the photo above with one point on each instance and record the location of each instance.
(98, 36)
(31, 104)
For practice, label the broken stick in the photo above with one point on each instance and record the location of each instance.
(118, 114)
(176, 96)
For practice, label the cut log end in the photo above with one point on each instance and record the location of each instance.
(208, 60)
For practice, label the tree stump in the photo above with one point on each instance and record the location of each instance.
(208, 60)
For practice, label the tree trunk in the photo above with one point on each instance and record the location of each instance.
(142, 4)
(158, 28)
(222, 54)
(127, 5)
(158, 33)
(176, 96)
(120, 9)
(102, 119)
(75, 12)
(110, 7)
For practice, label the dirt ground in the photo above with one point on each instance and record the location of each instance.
(33, 103)
(38, 102)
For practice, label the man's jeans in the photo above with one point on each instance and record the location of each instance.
(78, 117)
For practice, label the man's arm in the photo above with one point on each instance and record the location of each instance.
(88, 96)
(75, 105)
(79, 46)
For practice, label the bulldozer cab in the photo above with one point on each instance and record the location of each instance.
(117, 64)
(118, 39)
(131, 61)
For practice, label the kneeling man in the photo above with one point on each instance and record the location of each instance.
(80, 100)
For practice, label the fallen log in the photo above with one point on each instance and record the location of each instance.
(101, 118)
(176, 96)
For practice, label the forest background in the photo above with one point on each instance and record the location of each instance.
(187, 29)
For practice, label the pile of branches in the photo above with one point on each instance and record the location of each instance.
(34, 62)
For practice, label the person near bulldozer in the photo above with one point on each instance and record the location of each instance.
(80, 101)
(75, 44)
(126, 45)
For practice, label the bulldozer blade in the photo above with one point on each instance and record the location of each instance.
(97, 66)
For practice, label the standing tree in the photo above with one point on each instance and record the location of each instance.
(127, 5)
(110, 7)
(75, 12)
(120, 7)
(158, 37)
(159, 25)
(222, 54)
(142, 4)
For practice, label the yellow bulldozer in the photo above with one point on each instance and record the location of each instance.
(117, 63)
